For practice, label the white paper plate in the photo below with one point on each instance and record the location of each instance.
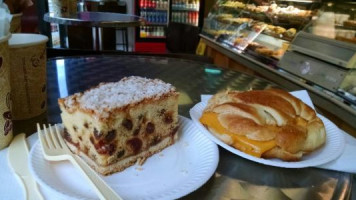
(332, 149)
(175, 172)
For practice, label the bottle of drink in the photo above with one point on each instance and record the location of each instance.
(162, 32)
(159, 31)
(164, 17)
(155, 17)
(187, 17)
(193, 18)
(156, 32)
(182, 19)
(179, 17)
(144, 32)
(150, 17)
(160, 17)
(161, 5)
(158, 5)
(152, 33)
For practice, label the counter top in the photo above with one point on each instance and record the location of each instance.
(235, 177)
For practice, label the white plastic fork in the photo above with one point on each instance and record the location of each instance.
(55, 149)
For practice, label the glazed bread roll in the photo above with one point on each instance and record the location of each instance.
(264, 123)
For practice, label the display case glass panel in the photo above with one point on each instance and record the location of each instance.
(319, 38)
(259, 28)
(335, 21)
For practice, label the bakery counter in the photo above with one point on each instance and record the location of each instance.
(235, 177)
(343, 114)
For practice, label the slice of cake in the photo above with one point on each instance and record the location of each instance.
(114, 125)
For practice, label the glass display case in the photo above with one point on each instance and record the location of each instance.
(336, 21)
(259, 28)
(324, 53)
(312, 41)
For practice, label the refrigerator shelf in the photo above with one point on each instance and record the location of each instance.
(185, 23)
(155, 24)
(154, 9)
(154, 37)
(176, 8)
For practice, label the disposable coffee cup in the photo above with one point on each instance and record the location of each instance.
(28, 75)
(5, 104)
(15, 25)
(64, 8)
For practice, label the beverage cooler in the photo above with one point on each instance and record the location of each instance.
(152, 36)
(185, 12)
(172, 25)
(186, 20)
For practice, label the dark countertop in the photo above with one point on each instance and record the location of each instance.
(235, 177)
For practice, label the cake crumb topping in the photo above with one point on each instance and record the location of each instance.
(129, 90)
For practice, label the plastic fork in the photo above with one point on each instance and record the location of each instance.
(55, 149)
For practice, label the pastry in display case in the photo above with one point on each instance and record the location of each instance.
(324, 52)
(336, 21)
(258, 28)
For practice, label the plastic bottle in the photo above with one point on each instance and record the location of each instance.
(162, 32)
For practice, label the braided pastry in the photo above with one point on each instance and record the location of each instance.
(264, 123)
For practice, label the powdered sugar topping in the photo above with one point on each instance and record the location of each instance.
(128, 90)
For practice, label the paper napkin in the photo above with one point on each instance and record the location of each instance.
(346, 162)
